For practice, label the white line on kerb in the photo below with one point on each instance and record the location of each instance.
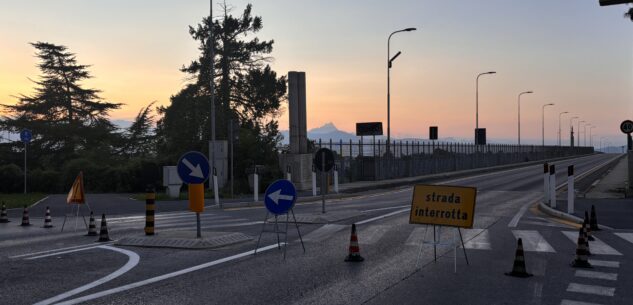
(131, 263)
(164, 276)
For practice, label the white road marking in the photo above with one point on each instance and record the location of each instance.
(91, 245)
(387, 208)
(371, 234)
(533, 241)
(416, 236)
(180, 223)
(164, 276)
(626, 236)
(64, 252)
(595, 247)
(323, 232)
(608, 264)
(570, 302)
(515, 220)
(383, 216)
(597, 275)
(481, 240)
(591, 289)
(546, 224)
(131, 263)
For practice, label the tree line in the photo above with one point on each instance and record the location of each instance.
(72, 130)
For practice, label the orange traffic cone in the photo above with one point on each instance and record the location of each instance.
(3, 214)
(103, 235)
(92, 228)
(25, 217)
(518, 268)
(354, 250)
(581, 260)
(587, 227)
(593, 221)
(48, 222)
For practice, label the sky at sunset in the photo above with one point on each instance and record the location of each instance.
(573, 53)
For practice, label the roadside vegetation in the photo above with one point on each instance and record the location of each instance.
(20, 200)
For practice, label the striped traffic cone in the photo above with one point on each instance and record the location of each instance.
(593, 221)
(103, 235)
(354, 250)
(92, 227)
(25, 217)
(581, 260)
(3, 214)
(48, 222)
(588, 227)
(518, 268)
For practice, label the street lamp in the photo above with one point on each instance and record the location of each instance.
(579, 132)
(477, 103)
(559, 130)
(389, 63)
(543, 122)
(591, 135)
(584, 128)
(519, 120)
(571, 127)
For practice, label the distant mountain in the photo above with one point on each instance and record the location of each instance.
(122, 123)
(325, 132)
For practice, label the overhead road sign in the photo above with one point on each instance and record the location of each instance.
(193, 168)
(443, 205)
(369, 129)
(626, 126)
(280, 197)
(26, 136)
(433, 133)
(323, 160)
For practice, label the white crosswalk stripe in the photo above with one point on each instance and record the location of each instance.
(595, 247)
(597, 275)
(601, 263)
(323, 232)
(416, 236)
(570, 302)
(533, 241)
(481, 240)
(371, 234)
(626, 236)
(591, 289)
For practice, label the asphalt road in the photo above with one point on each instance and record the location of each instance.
(46, 266)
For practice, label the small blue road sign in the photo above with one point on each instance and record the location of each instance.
(193, 168)
(25, 136)
(280, 197)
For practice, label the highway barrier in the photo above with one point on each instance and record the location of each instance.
(581, 260)
(518, 267)
(103, 235)
(25, 217)
(150, 199)
(3, 214)
(92, 227)
(354, 249)
(593, 221)
(48, 222)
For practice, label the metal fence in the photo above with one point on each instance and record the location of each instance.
(358, 161)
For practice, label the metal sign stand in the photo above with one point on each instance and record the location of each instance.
(76, 216)
(452, 243)
(276, 230)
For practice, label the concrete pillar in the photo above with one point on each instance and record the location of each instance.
(297, 108)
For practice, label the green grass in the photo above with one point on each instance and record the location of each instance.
(20, 200)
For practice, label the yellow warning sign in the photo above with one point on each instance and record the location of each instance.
(76, 194)
(443, 205)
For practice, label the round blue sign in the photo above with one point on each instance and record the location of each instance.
(25, 136)
(280, 197)
(193, 168)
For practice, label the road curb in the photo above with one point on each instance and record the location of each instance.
(31, 206)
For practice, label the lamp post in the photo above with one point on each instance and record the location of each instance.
(519, 114)
(579, 133)
(559, 130)
(584, 132)
(571, 127)
(591, 135)
(389, 61)
(477, 103)
(543, 122)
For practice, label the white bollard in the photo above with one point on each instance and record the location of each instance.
(335, 179)
(545, 183)
(552, 186)
(255, 186)
(570, 189)
(216, 190)
(314, 184)
(288, 175)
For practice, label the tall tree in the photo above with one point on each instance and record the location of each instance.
(65, 117)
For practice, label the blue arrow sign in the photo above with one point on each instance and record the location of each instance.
(25, 136)
(280, 197)
(193, 168)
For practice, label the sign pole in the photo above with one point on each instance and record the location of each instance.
(323, 182)
(199, 234)
(24, 167)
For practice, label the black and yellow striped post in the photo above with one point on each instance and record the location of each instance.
(150, 199)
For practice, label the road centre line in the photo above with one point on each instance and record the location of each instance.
(165, 276)
(591, 289)
(597, 275)
(131, 263)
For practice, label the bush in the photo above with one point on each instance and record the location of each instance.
(45, 181)
(11, 178)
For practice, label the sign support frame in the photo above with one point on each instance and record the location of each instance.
(277, 231)
(437, 241)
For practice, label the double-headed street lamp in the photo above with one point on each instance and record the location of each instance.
(578, 131)
(519, 103)
(591, 135)
(584, 128)
(543, 122)
(477, 104)
(389, 63)
(559, 130)
(571, 127)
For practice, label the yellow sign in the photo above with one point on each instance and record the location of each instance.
(196, 198)
(443, 205)
(76, 194)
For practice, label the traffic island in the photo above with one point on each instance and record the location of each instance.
(186, 240)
